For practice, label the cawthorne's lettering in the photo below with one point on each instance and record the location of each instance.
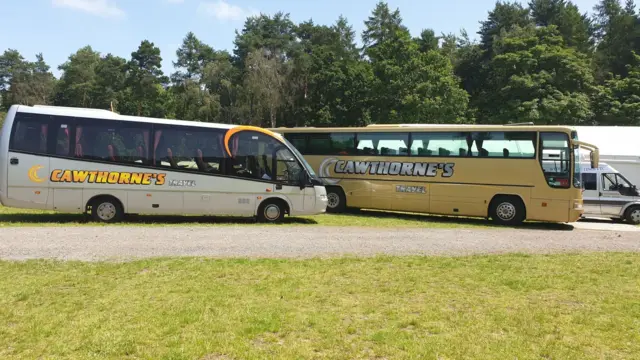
(106, 177)
(393, 168)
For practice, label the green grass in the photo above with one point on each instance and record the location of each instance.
(367, 218)
(481, 307)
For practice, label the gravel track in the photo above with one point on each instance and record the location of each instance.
(126, 243)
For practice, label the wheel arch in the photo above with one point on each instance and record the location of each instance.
(511, 195)
(628, 206)
(283, 199)
(95, 197)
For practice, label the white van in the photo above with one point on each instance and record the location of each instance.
(607, 193)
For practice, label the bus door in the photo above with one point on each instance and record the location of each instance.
(28, 173)
(288, 173)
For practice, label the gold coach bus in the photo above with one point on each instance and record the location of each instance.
(508, 173)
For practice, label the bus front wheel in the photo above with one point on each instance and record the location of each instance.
(507, 210)
(106, 209)
(336, 200)
(272, 211)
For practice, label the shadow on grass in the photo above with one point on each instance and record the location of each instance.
(455, 220)
(360, 218)
(131, 219)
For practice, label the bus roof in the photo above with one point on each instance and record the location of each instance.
(419, 127)
(109, 115)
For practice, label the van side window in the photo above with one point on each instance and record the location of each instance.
(590, 181)
(614, 182)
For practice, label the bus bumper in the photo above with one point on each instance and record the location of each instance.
(575, 213)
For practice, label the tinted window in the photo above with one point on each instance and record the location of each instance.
(439, 144)
(189, 149)
(495, 144)
(299, 141)
(116, 141)
(383, 144)
(30, 133)
(590, 181)
(504, 144)
(63, 139)
(324, 144)
(259, 156)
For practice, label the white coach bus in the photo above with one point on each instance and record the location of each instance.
(96, 161)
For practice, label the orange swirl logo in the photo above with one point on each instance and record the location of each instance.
(238, 129)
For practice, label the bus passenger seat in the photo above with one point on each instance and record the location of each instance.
(505, 152)
(170, 157)
(112, 152)
(199, 160)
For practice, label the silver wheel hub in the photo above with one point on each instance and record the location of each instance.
(333, 200)
(506, 211)
(106, 211)
(272, 212)
(634, 216)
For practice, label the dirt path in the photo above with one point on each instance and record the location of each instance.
(120, 243)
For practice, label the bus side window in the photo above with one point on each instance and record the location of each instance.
(30, 134)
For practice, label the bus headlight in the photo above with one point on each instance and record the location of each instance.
(577, 205)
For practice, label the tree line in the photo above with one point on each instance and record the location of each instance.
(545, 62)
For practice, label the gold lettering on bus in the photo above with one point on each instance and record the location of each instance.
(107, 177)
(429, 169)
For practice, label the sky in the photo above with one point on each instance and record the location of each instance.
(58, 28)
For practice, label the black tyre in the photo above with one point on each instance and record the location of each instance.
(507, 210)
(106, 209)
(336, 201)
(632, 215)
(271, 211)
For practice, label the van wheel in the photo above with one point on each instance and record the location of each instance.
(633, 215)
(106, 209)
(336, 201)
(271, 211)
(507, 210)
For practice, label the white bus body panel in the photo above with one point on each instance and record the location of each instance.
(181, 193)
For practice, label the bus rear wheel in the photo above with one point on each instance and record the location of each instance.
(272, 211)
(106, 209)
(507, 210)
(336, 201)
